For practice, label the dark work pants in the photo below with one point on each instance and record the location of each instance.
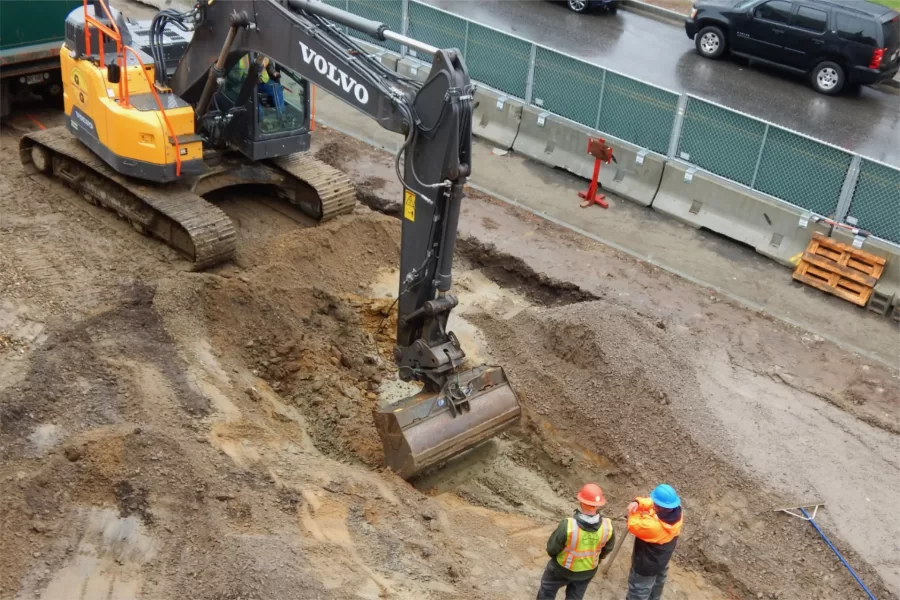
(646, 587)
(552, 580)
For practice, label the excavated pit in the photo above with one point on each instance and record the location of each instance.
(312, 320)
(218, 426)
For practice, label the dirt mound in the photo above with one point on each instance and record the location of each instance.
(622, 385)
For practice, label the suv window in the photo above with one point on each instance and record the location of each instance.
(891, 32)
(811, 19)
(856, 29)
(774, 10)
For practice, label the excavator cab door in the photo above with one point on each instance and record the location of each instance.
(267, 118)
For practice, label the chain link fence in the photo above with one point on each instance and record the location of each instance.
(876, 200)
(773, 160)
(637, 112)
(801, 171)
(437, 28)
(498, 60)
(389, 12)
(557, 76)
(720, 140)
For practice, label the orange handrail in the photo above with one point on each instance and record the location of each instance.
(161, 109)
(113, 34)
(122, 58)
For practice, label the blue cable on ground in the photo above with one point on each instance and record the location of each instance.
(838, 554)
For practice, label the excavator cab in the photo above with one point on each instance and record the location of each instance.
(256, 113)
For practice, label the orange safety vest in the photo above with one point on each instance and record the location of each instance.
(646, 526)
(582, 550)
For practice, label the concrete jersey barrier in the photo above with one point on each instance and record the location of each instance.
(557, 142)
(496, 118)
(701, 199)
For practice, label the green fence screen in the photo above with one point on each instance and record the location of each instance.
(389, 12)
(556, 76)
(498, 60)
(876, 200)
(802, 171)
(720, 141)
(436, 28)
(637, 112)
(772, 160)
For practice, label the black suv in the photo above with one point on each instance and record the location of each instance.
(834, 42)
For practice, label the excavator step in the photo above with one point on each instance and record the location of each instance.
(182, 219)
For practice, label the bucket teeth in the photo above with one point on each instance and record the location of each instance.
(422, 430)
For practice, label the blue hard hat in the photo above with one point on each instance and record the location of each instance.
(664, 496)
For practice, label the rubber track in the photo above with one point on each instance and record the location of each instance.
(336, 192)
(209, 229)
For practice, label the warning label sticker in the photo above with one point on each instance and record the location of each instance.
(409, 205)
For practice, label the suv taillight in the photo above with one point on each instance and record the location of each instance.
(877, 55)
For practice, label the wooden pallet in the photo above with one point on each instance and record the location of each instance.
(839, 269)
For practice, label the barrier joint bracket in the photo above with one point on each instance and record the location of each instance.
(639, 157)
(689, 174)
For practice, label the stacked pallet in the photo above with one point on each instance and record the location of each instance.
(839, 269)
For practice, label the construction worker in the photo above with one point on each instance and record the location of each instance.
(656, 523)
(269, 82)
(577, 546)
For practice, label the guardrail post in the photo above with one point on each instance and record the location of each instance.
(466, 42)
(600, 101)
(762, 146)
(675, 136)
(529, 82)
(404, 23)
(843, 205)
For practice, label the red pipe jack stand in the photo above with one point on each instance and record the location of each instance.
(601, 153)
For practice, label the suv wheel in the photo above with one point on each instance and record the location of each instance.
(710, 42)
(828, 78)
(579, 6)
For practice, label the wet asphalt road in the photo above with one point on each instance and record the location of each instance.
(661, 54)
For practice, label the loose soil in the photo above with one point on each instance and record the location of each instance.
(169, 434)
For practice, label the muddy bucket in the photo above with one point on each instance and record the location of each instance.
(425, 429)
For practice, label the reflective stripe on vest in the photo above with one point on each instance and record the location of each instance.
(582, 551)
(244, 67)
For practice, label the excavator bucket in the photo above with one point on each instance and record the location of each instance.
(425, 429)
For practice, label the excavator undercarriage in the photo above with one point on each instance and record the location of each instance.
(177, 213)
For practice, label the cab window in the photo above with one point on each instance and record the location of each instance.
(811, 19)
(776, 11)
(856, 29)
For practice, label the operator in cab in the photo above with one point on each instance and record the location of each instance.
(269, 82)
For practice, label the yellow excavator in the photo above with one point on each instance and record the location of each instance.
(161, 113)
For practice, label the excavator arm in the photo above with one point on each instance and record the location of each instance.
(456, 409)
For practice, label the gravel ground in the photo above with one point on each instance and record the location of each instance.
(221, 421)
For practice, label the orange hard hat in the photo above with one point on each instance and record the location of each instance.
(592, 495)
